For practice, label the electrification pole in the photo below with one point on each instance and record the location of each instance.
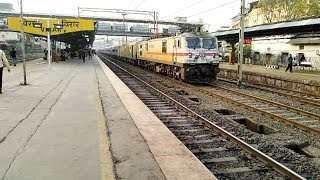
(22, 46)
(241, 40)
(124, 29)
(49, 43)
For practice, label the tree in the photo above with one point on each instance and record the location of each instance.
(284, 10)
(268, 9)
(247, 50)
(306, 8)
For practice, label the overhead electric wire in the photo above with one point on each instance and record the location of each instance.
(140, 4)
(130, 3)
(213, 8)
(185, 8)
(215, 12)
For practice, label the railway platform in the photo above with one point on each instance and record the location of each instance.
(79, 121)
(303, 81)
(297, 74)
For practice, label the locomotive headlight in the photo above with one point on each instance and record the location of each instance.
(190, 55)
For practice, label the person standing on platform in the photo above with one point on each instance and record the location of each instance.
(83, 55)
(302, 59)
(89, 54)
(3, 60)
(80, 53)
(290, 60)
(13, 56)
(45, 54)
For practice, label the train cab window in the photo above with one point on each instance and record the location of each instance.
(164, 46)
(193, 43)
(177, 43)
(209, 43)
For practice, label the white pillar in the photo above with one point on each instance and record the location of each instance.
(22, 46)
(49, 44)
(241, 37)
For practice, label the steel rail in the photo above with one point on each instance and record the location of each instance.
(300, 98)
(287, 121)
(283, 170)
(293, 109)
(281, 88)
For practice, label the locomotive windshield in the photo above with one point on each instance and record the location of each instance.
(209, 43)
(193, 43)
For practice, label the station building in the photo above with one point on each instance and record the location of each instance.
(274, 50)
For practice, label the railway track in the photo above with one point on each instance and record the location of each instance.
(301, 119)
(293, 116)
(220, 151)
(303, 97)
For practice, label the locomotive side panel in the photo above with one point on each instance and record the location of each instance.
(157, 51)
(122, 51)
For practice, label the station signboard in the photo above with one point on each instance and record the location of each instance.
(247, 41)
(38, 26)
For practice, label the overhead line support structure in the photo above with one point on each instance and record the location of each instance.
(183, 25)
(154, 14)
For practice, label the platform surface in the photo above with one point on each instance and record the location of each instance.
(79, 121)
(297, 74)
(53, 128)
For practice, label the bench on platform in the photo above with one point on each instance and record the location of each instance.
(307, 65)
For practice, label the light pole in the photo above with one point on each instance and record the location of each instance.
(22, 46)
(48, 29)
(241, 39)
(49, 43)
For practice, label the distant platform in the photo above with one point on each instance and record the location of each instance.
(299, 80)
(297, 73)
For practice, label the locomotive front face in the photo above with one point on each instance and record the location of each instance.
(201, 60)
(201, 51)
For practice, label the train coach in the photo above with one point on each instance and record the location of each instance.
(192, 57)
(112, 51)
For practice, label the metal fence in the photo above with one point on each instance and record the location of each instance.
(315, 62)
(280, 60)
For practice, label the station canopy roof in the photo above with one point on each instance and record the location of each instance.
(282, 28)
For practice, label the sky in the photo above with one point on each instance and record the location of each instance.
(216, 13)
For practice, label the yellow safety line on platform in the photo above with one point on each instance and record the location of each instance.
(106, 162)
